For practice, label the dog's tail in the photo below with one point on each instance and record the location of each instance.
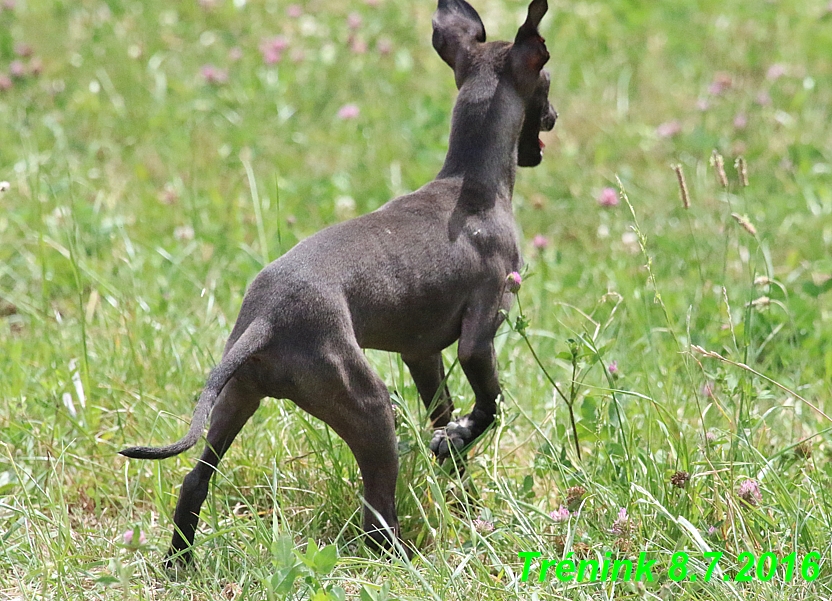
(252, 340)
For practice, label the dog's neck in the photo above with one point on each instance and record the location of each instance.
(482, 148)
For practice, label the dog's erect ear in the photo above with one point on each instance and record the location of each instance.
(537, 9)
(528, 41)
(456, 28)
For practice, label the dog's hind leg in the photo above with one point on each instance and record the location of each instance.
(344, 391)
(428, 374)
(236, 404)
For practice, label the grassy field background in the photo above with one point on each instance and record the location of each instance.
(158, 154)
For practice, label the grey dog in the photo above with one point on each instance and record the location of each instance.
(421, 272)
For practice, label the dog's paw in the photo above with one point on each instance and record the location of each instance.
(178, 564)
(451, 439)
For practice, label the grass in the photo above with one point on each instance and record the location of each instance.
(147, 189)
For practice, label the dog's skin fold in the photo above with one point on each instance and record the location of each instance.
(421, 272)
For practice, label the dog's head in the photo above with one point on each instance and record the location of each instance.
(540, 116)
(500, 71)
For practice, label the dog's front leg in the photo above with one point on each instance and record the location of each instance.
(428, 374)
(479, 362)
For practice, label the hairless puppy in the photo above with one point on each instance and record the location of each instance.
(421, 272)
